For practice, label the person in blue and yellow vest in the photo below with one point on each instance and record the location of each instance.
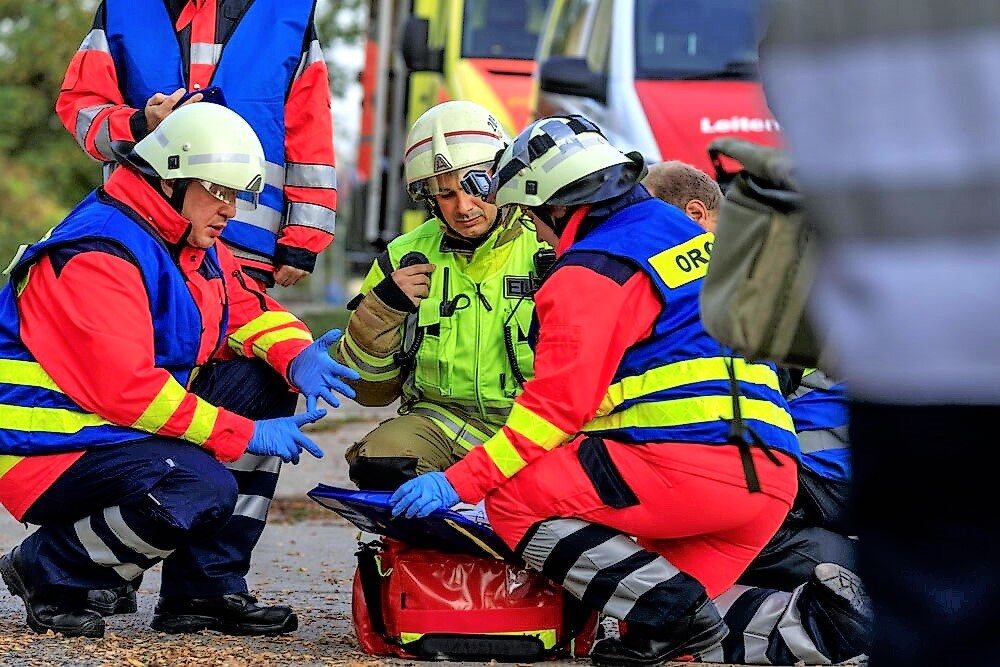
(111, 439)
(445, 311)
(636, 422)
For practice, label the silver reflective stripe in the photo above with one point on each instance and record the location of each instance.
(569, 148)
(311, 215)
(728, 597)
(461, 433)
(811, 382)
(638, 582)
(545, 539)
(127, 536)
(366, 367)
(594, 560)
(96, 40)
(84, 120)
(240, 253)
(262, 216)
(714, 654)
(757, 633)
(256, 463)
(102, 141)
(301, 175)
(99, 552)
(313, 55)
(205, 54)
(213, 158)
(794, 633)
(274, 175)
(253, 507)
(819, 441)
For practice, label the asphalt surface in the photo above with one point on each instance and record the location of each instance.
(305, 559)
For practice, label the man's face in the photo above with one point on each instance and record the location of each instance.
(207, 212)
(467, 216)
(543, 232)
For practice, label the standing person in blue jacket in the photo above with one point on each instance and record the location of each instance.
(139, 59)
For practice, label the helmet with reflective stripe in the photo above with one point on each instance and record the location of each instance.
(204, 141)
(450, 137)
(563, 161)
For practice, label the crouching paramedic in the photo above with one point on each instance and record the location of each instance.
(103, 325)
(444, 317)
(636, 423)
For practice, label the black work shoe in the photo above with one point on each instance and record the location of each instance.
(231, 614)
(46, 614)
(834, 603)
(701, 629)
(117, 600)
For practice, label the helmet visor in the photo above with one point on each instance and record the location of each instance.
(431, 186)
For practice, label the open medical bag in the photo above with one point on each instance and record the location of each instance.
(438, 589)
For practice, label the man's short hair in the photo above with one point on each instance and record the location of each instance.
(677, 183)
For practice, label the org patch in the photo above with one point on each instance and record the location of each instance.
(685, 262)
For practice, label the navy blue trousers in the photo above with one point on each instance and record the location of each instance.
(119, 510)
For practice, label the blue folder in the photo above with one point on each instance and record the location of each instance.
(443, 530)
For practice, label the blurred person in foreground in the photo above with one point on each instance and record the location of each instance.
(890, 109)
(636, 423)
(111, 442)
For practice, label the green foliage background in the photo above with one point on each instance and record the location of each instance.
(43, 172)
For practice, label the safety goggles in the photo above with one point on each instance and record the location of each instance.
(239, 198)
(474, 180)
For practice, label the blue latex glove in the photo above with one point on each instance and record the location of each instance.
(315, 373)
(282, 437)
(422, 495)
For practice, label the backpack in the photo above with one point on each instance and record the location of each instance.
(753, 298)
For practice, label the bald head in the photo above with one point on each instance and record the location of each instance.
(688, 188)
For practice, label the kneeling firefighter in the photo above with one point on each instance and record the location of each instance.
(444, 313)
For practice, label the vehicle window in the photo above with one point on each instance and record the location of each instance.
(600, 39)
(697, 39)
(502, 28)
(570, 33)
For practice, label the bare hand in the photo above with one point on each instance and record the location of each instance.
(159, 106)
(286, 276)
(414, 281)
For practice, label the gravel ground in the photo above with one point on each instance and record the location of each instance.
(305, 558)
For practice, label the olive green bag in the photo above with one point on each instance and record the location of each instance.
(763, 262)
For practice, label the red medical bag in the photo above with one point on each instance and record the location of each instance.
(418, 603)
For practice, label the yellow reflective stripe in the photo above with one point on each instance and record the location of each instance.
(472, 538)
(269, 340)
(202, 424)
(693, 410)
(504, 456)
(542, 433)
(28, 373)
(685, 372)
(547, 637)
(162, 408)
(262, 322)
(8, 461)
(49, 420)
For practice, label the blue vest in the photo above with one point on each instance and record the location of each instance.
(819, 408)
(255, 71)
(35, 416)
(674, 386)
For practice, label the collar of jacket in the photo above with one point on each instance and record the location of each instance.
(130, 188)
(586, 218)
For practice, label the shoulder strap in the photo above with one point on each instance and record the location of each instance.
(371, 587)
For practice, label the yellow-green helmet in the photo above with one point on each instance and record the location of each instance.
(450, 137)
(563, 161)
(204, 141)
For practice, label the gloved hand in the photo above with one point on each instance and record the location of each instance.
(282, 437)
(315, 373)
(423, 494)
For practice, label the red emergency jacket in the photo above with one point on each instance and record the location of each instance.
(87, 322)
(92, 108)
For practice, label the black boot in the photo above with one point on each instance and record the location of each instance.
(837, 612)
(699, 629)
(117, 600)
(231, 614)
(48, 612)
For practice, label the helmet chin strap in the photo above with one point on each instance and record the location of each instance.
(176, 198)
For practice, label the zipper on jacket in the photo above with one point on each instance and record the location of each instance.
(482, 299)
(260, 297)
